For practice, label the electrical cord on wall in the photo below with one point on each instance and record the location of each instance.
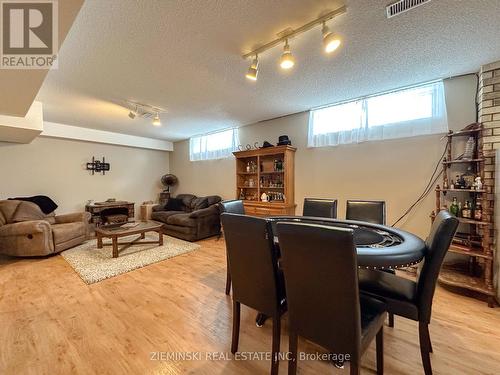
(433, 178)
(427, 190)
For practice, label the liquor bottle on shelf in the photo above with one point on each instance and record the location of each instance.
(462, 182)
(468, 178)
(248, 167)
(478, 211)
(466, 211)
(454, 207)
(242, 194)
(470, 146)
(445, 184)
(460, 210)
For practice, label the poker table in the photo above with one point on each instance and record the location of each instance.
(377, 246)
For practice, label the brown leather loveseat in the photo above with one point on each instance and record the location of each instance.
(26, 231)
(192, 218)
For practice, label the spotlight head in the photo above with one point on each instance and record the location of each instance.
(287, 60)
(132, 114)
(156, 120)
(330, 41)
(253, 70)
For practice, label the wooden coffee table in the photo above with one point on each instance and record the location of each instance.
(115, 231)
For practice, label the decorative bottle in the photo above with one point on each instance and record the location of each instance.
(478, 211)
(454, 207)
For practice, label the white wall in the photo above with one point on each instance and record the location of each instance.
(395, 170)
(56, 168)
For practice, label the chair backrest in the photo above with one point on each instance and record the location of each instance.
(321, 278)
(252, 262)
(439, 240)
(320, 207)
(369, 211)
(233, 207)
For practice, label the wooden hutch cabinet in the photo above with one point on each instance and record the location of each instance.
(266, 170)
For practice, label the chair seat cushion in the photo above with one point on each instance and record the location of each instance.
(164, 215)
(372, 318)
(68, 231)
(387, 285)
(182, 220)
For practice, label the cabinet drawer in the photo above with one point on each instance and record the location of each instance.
(264, 211)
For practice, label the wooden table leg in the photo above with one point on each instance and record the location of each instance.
(115, 247)
(160, 238)
(99, 241)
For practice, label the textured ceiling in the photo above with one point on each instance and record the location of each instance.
(185, 56)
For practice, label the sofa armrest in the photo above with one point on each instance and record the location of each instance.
(25, 227)
(73, 218)
(209, 211)
(158, 207)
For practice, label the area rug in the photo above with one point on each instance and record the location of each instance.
(93, 264)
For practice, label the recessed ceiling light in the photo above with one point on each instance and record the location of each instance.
(287, 61)
(253, 70)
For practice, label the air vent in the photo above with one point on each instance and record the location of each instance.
(402, 6)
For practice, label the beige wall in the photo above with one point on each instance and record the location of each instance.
(56, 168)
(395, 170)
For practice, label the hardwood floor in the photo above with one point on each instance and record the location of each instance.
(53, 323)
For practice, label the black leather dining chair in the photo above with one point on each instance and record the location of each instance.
(413, 299)
(324, 305)
(234, 206)
(257, 281)
(320, 207)
(369, 211)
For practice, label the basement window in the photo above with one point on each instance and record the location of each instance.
(409, 112)
(217, 145)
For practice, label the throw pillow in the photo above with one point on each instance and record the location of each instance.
(200, 203)
(174, 204)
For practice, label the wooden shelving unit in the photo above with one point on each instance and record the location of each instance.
(473, 240)
(267, 170)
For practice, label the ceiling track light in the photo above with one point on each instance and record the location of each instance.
(133, 113)
(287, 61)
(253, 71)
(156, 120)
(145, 111)
(330, 42)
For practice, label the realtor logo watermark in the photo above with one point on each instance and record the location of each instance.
(29, 31)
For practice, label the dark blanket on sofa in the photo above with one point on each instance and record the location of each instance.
(46, 204)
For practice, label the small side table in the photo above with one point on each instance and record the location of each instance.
(146, 210)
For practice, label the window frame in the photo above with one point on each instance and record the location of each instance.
(205, 153)
(436, 123)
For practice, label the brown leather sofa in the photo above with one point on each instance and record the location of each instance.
(26, 231)
(196, 217)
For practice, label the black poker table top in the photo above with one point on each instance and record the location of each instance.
(378, 246)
